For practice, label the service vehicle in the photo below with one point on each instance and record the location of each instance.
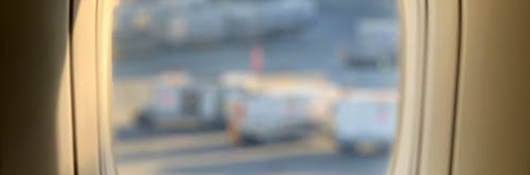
(182, 105)
(365, 122)
(278, 107)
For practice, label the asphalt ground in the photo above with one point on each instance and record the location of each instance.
(210, 153)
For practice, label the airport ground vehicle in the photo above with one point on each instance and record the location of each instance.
(365, 122)
(183, 106)
(276, 107)
(263, 118)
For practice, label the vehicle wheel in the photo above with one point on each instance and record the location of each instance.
(248, 141)
(344, 148)
(357, 149)
(144, 122)
(366, 148)
(218, 124)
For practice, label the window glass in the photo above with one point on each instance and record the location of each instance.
(222, 87)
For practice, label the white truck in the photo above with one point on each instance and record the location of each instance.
(276, 106)
(365, 123)
(182, 106)
(267, 118)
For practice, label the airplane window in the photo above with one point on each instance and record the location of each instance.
(222, 87)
